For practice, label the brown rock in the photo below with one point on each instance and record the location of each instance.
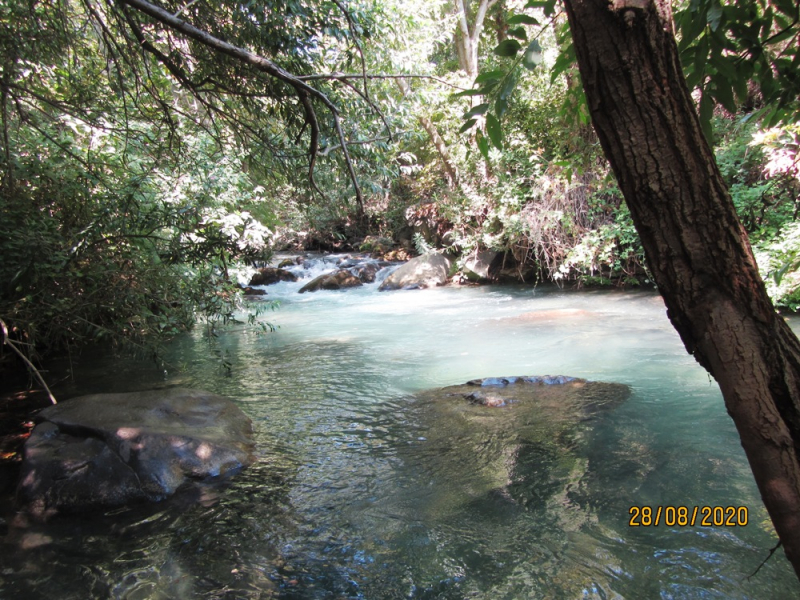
(332, 281)
(270, 275)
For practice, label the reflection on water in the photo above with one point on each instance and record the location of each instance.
(365, 489)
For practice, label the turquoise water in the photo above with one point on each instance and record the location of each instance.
(363, 489)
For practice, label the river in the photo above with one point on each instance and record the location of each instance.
(362, 489)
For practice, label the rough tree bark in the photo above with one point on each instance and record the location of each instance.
(695, 245)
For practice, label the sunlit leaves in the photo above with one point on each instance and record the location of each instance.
(726, 45)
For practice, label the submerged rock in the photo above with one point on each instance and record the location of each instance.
(515, 443)
(270, 275)
(332, 281)
(569, 396)
(420, 272)
(108, 450)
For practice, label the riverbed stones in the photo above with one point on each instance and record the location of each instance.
(106, 450)
(270, 275)
(421, 272)
(337, 280)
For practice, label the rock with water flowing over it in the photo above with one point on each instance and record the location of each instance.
(367, 271)
(572, 397)
(332, 281)
(421, 272)
(523, 441)
(270, 275)
(108, 450)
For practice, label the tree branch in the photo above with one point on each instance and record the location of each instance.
(10, 343)
(262, 64)
(346, 76)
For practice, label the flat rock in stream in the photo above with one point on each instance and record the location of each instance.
(556, 395)
(107, 450)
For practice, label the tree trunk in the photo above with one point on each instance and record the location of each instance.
(697, 250)
(468, 34)
(441, 147)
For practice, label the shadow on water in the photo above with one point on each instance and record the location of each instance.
(366, 487)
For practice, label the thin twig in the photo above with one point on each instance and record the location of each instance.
(763, 562)
(346, 76)
(10, 343)
(177, 14)
(329, 149)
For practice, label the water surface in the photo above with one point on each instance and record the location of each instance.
(365, 489)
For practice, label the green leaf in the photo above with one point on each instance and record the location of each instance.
(508, 48)
(483, 145)
(521, 20)
(533, 56)
(725, 67)
(714, 16)
(494, 130)
(549, 6)
(490, 76)
(501, 106)
(787, 7)
(467, 126)
(563, 62)
(706, 112)
(476, 110)
(519, 33)
(723, 93)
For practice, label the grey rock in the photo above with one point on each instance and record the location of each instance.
(108, 450)
(418, 273)
(482, 266)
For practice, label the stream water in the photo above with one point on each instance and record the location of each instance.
(364, 489)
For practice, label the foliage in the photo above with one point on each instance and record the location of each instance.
(742, 55)
(119, 219)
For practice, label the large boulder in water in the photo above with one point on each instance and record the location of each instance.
(108, 450)
(270, 275)
(420, 272)
(332, 281)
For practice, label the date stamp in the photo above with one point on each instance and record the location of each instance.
(688, 516)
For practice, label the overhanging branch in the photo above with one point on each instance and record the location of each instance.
(302, 89)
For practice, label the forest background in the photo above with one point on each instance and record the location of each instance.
(144, 167)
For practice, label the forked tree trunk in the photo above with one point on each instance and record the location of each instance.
(697, 250)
